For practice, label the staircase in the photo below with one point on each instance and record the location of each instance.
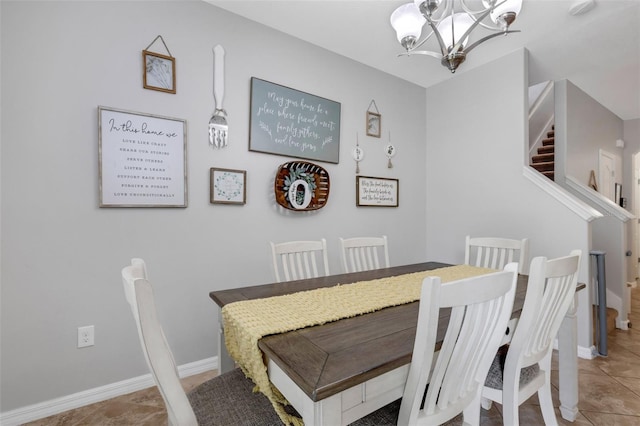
(544, 161)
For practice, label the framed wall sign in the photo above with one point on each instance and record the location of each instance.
(376, 192)
(142, 159)
(228, 186)
(288, 122)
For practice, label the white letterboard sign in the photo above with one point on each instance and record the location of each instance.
(292, 123)
(142, 159)
(376, 192)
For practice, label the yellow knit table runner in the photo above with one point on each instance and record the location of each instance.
(247, 321)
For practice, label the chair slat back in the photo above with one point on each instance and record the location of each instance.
(550, 290)
(364, 253)
(296, 260)
(480, 309)
(527, 369)
(157, 352)
(496, 253)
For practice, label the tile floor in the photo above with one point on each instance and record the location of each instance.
(609, 393)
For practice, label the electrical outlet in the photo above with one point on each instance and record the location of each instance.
(85, 336)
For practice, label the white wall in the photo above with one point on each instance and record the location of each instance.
(475, 185)
(631, 137)
(631, 146)
(62, 255)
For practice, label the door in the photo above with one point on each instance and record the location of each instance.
(609, 174)
(635, 190)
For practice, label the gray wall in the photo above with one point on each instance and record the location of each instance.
(62, 255)
(590, 127)
(475, 184)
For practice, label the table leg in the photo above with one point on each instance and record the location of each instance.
(225, 362)
(568, 363)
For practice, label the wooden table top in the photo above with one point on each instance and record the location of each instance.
(326, 359)
(223, 297)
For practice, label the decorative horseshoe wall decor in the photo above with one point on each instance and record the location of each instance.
(301, 186)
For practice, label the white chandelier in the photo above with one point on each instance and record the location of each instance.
(451, 28)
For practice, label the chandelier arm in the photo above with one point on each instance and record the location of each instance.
(489, 27)
(443, 10)
(467, 9)
(466, 34)
(443, 46)
(448, 10)
(473, 14)
(421, 52)
(422, 42)
(483, 39)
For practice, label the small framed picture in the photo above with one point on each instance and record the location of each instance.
(376, 192)
(374, 124)
(159, 72)
(228, 186)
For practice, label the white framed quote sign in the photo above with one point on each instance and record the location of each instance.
(142, 158)
(376, 192)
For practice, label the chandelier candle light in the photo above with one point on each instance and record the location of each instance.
(451, 28)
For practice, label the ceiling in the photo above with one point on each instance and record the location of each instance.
(598, 51)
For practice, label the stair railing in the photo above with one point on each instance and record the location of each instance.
(541, 117)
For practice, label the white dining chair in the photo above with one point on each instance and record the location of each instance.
(435, 393)
(364, 253)
(296, 260)
(495, 253)
(227, 399)
(527, 366)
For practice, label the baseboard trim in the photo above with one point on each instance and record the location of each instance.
(587, 353)
(583, 352)
(622, 324)
(90, 396)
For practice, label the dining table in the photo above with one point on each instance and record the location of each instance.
(340, 371)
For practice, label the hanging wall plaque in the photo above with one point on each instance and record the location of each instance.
(142, 159)
(289, 122)
(159, 70)
(374, 120)
(301, 186)
(376, 192)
